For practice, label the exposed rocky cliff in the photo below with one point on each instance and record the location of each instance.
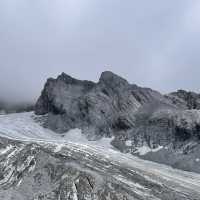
(102, 108)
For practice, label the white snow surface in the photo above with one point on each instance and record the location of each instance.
(197, 160)
(128, 143)
(3, 151)
(23, 127)
(145, 149)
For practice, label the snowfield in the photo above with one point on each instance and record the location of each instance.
(23, 127)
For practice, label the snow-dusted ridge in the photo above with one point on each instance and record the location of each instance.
(23, 127)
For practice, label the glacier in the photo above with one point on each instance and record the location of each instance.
(21, 132)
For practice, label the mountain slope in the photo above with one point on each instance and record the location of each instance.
(187, 100)
(137, 118)
(36, 163)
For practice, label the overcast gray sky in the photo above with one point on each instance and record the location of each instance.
(152, 43)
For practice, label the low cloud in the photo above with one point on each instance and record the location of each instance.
(151, 43)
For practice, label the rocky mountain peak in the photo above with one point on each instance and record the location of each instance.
(70, 80)
(112, 80)
(65, 77)
(113, 107)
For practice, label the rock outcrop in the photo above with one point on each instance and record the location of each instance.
(98, 107)
(184, 99)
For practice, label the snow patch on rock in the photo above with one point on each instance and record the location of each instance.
(128, 143)
(5, 150)
(145, 149)
(197, 160)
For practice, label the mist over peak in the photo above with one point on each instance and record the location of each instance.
(152, 46)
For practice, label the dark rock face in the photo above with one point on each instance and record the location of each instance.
(113, 107)
(101, 108)
(58, 94)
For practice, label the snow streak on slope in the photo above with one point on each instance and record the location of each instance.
(23, 127)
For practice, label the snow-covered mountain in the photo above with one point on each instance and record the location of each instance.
(37, 163)
(97, 141)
